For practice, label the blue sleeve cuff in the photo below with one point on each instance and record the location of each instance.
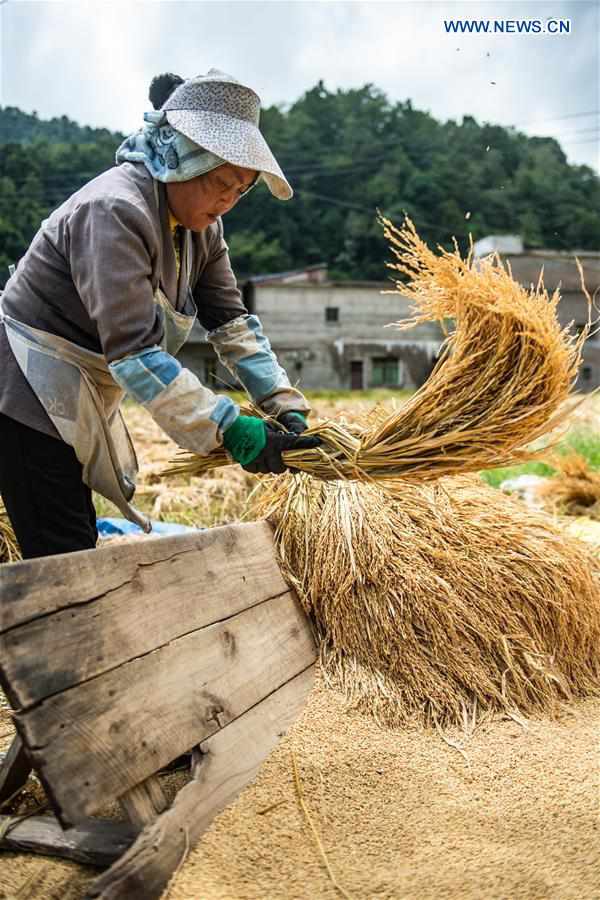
(144, 375)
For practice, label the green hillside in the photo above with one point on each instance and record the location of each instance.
(17, 126)
(346, 153)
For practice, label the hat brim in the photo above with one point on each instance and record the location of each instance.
(237, 141)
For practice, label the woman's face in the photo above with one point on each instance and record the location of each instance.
(197, 203)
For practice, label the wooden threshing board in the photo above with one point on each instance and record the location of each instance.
(118, 660)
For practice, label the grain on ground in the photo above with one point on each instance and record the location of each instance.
(403, 815)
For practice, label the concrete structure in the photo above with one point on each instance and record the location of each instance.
(503, 243)
(559, 270)
(315, 274)
(332, 335)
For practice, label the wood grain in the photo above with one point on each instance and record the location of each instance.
(35, 587)
(14, 770)
(144, 802)
(99, 739)
(230, 760)
(97, 842)
(152, 595)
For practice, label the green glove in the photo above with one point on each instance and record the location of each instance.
(245, 439)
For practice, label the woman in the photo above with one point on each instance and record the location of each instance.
(104, 298)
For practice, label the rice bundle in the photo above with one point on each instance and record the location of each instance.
(574, 490)
(453, 603)
(500, 383)
(9, 548)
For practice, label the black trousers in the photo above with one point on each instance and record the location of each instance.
(49, 506)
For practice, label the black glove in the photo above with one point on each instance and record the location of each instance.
(293, 421)
(269, 459)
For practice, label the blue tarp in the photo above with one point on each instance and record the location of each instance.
(108, 527)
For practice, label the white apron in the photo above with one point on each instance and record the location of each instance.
(80, 396)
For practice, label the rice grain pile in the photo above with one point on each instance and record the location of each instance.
(500, 382)
(450, 604)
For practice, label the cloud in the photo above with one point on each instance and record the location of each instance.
(73, 59)
(94, 61)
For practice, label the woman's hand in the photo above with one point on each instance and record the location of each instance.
(270, 459)
(257, 447)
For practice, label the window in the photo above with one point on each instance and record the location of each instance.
(332, 314)
(384, 371)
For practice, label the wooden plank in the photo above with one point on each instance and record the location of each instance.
(155, 793)
(144, 802)
(230, 760)
(101, 738)
(14, 770)
(96, 842)
(39, 586)
(88, 633)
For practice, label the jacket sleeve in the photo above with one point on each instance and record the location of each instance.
(111, 251)
(238, 337)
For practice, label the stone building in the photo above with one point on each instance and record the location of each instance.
(559, 270)
(333, 335)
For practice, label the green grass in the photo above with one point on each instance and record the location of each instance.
(495, 477)
(586, 443)
(373, 395)
(583, 441)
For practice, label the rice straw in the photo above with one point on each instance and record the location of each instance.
(501, 382)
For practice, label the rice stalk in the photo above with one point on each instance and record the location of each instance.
(452, 603)
(9, 548)
(574, 490)
(501, 382)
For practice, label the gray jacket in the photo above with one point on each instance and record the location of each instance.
(90, 275)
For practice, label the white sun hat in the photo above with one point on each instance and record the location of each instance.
(221, 115)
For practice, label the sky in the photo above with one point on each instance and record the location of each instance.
(93, 61)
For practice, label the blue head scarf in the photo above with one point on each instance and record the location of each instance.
(167, 154)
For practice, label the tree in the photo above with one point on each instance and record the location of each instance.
(346, 153)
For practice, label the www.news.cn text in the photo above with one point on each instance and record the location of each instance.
(507, 26)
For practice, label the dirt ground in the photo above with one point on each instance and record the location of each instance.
(404, 815)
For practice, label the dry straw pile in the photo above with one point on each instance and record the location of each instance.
(501, 381)
(447, 604)
(574, 490)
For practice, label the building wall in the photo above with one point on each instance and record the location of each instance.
(589, 371)
(320, 349)
(298, 312)
(558, 269)
(561, 271)
(317, 351)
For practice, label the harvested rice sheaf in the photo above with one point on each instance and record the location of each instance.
(500, 382)
(447, 605)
